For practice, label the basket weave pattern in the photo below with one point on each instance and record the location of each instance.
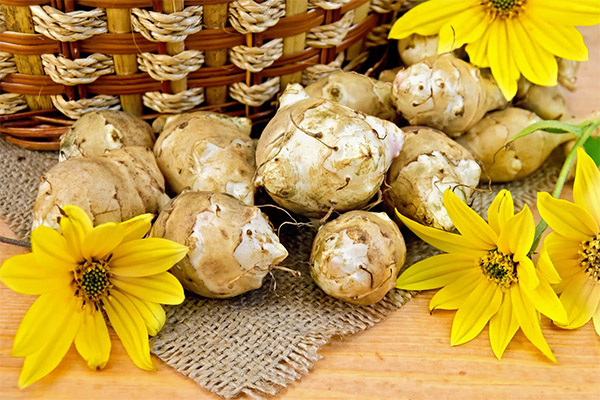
(63, 58)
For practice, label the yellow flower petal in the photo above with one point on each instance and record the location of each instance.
(47, 315)
(546, 267)
(500, 211)
(130, 328)
(41, 363)
(561, 40)
(529, 320)
(428, 18)
(581, 298)
(92, 340)
(475, 312)
(445, 241)
(545, 301)
(518, 233)
(74, 226)
(465, 27)
(536, 63)
(561, 248)
(559, 12)
(478, 51)
(503, 326)
(452, 296)
(161, 288)
(102, 240)
(586, 188)
(469, 223)
(152, 313)
(51, 251)
(526, 273)
(22, 274)
(137, 227)
(501, 59)
(434, 272)
(566, 218)
(597, 321)
(144, 257)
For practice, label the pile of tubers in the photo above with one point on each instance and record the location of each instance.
(332, 151)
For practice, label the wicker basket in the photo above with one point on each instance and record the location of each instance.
(62, 58)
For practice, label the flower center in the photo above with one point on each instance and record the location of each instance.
(504, 8)
(499, 268)
(589, 257)
(92, 280)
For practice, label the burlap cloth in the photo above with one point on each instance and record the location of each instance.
(260, 342)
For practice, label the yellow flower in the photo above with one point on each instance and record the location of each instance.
(512, 37)
(80, 275)
(487, 275)
(574, 246)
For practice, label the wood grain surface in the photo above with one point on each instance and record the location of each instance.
(408, 355)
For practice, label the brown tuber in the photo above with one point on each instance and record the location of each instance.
(357, 257)
(232, 245)
(429, 163)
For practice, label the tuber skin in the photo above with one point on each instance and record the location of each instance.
(567, 73)
(207, 151)
(359, 92)
(316, 155)
(429, 163)
(504, 163)
(114, 187)
(445, 93)
(548, 102)
(415, 48)
(232, 245)
(356, 258)
(99, 131)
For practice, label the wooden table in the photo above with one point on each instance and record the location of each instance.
(408, 355)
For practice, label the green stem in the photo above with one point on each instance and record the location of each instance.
(15, 242)
(562, 178)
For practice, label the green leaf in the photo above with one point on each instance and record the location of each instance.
(592, 147)
(554, 127)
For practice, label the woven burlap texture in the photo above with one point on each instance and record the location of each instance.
(260, 342)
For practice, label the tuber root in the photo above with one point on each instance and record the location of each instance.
(357, 257)
(207, 151)
(567, 73)
(429, 163)
(445, 93)
(232, 245)
(98, 131)
(316, 155)
(503, 162)
(548, 102)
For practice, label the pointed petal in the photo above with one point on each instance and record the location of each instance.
(529, 321)
(546, 267)
(144, 257)
(40, 364)
(102, 240)
(559, 12)
(92, 340)
(556, 39)
(561, 248)
(445, 241)
(475, 312)
(137, 227)
(152, 313)
(161, 288)
(469, 223)
(22, 274)
(51, 250)
(503, 326)
(586, 189)
(545, 301)
(428, 18)
(500, 211)
(453, 295)
(130, 328)
(434, 272)
(527, 274)
(580, 298)
(478, 51)
(518, 234)
(536, 64)
(45, 317)
(566, 218)
(501, 60)
(464, 27)
(74, 226)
